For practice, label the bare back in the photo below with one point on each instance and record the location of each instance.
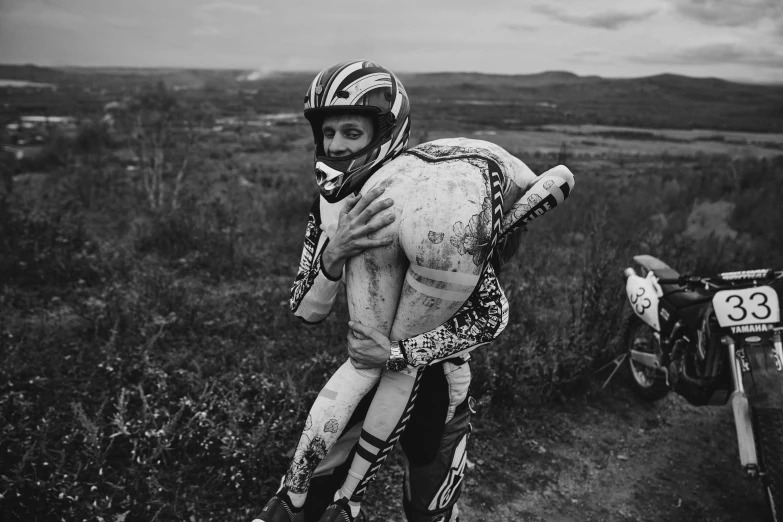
(442, 232)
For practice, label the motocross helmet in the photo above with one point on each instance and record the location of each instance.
(367, 88)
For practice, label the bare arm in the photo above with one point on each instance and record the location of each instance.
(321, 266)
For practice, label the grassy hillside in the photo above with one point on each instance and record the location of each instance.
(467, 100)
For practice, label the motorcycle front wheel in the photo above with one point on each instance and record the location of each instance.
(768, 428)
(648, 383)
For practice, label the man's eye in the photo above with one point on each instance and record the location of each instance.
(328, 134)
(353, 135)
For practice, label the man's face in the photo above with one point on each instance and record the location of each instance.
(345, 134)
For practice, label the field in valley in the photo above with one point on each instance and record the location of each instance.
(602, 141)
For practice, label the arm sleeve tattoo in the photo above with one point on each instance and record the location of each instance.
(480, 320)
(313, 292)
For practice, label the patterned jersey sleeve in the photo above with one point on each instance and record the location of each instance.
(313, 292)
(480, 320)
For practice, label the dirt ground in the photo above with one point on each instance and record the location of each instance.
(610, 458)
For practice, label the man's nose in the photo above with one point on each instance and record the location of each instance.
(338, 147)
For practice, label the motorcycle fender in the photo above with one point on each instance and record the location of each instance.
(643, 296)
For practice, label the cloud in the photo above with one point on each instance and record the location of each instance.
(610, 20)
(206, 30)
(233, 7)
(719, 54)
(524, 28)
(730, 13)
(214, 18)
(41, 13)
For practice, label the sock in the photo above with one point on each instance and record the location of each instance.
(383, 425)
(297, 500)
(355, 507)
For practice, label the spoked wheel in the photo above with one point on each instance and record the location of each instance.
(768, 428)
(647, 382)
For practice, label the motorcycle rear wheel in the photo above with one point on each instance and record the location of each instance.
(768, 428)
(646, 382)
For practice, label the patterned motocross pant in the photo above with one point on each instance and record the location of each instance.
(434, 444)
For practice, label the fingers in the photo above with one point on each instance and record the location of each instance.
(350, 203)
(355, 353)
(358, 328)
(373, 208)
(363, 331)
(357, 335)
(375, 226)
(366, 200)
(366, 244)
(360, 365)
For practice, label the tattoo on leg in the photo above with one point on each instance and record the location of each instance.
(435, 237)
(298, 477)
(331, 426)
(474, 239)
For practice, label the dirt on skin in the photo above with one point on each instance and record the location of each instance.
(611, 458)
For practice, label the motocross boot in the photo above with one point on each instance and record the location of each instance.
(339, 511)
(280, 509)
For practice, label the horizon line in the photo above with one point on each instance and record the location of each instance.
(399, 72)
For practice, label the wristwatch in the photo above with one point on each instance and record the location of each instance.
(396, 360)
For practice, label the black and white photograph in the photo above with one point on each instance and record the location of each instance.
(404, 261)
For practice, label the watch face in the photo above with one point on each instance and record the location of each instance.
(395, 365)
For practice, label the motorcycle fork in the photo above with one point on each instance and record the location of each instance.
(741, 408)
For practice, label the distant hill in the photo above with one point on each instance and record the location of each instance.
(665, 100)
(31, 73)
(472, 100)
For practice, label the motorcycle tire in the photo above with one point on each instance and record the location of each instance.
(646, 383)
(768, 429)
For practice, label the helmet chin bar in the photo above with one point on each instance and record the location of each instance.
(329, 179)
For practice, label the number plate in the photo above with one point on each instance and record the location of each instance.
(746, 306)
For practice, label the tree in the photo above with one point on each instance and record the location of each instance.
(162, 133)
(562, 156)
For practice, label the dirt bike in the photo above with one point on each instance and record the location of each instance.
(714, 340)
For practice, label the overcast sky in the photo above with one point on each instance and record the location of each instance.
(734, 39)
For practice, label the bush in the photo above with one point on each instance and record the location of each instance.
(42, 250)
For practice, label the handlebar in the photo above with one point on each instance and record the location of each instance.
(683, 280)
(725, 278)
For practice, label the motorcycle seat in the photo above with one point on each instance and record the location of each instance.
(681, 297)
(658, 267)
(676, 295)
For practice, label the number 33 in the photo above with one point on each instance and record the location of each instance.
(640, 303)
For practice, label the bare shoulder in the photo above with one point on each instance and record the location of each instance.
(396, 176)
(517, 176)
